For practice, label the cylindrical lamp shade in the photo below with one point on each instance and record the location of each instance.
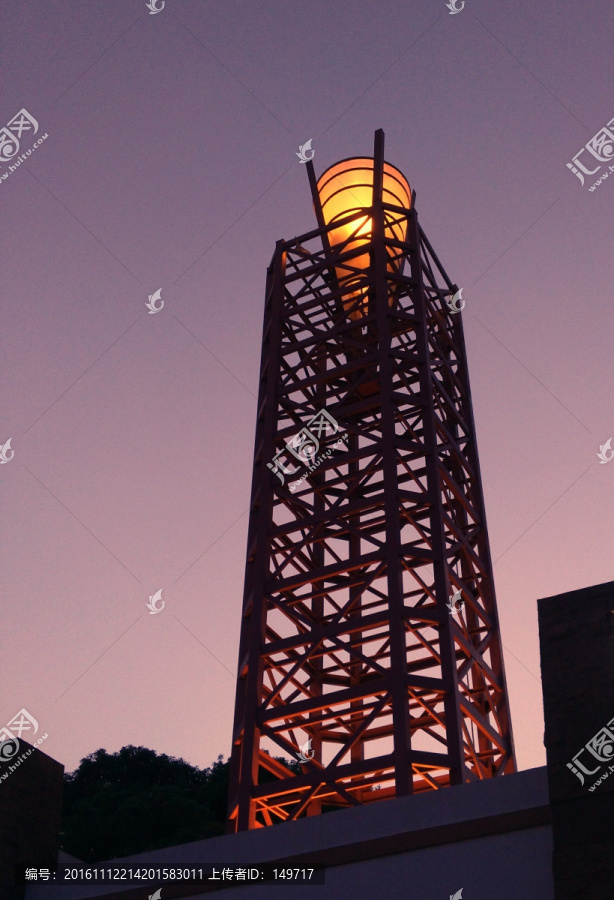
(347, 188)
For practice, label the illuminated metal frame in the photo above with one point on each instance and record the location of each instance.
(347, 638)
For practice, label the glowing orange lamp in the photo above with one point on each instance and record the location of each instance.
(346, 189)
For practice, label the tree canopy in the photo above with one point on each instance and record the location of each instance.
(117, 804)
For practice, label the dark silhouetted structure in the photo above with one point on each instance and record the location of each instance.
(576, 632)
(366, 519)
(30, 815)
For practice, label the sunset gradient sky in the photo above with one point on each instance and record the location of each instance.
(170, 163)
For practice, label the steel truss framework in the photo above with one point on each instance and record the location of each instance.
(348, 647)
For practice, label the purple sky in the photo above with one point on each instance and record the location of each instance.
(170, 163)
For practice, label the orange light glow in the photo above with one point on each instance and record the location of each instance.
(347, 188)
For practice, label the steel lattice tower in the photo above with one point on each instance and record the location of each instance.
(349, 653)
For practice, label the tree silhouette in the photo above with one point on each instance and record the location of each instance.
(117, 804)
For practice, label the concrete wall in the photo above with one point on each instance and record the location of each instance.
(492, 839)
